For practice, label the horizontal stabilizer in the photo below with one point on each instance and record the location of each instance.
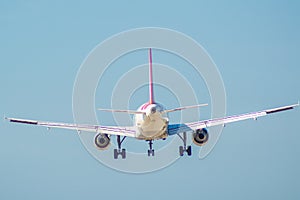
(122, 111)
(184, 107)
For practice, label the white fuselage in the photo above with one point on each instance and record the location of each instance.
(153, 123)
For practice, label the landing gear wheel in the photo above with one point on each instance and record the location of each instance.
(116, 154)
(151, 152)
(189, 150)
(123, 153)
(181, 151)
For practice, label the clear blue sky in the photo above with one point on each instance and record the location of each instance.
(255, 46)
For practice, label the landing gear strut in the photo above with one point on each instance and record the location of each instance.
(184, 148)
(120, 151)
(150, 151)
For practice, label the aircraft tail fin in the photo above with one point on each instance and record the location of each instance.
(151, 95)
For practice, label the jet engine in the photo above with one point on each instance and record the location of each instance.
(102, 141)
(200, 137)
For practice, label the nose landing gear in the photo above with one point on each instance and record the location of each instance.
(151, 150)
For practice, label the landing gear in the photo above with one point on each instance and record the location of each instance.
(181, 150)
(189, 150)
(151, 150)
(184, 148)
(120, 151)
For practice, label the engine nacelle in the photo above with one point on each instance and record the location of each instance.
(102, 141)
(200, 137)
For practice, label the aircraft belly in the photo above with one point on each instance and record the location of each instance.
(153, 129)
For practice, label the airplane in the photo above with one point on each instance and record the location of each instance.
(151, 123)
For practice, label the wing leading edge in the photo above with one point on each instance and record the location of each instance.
(179, 128)
(110, 130)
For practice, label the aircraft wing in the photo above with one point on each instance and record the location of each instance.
(110, 130)
(179, 128)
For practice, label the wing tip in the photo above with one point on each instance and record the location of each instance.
(22, 121)
(284, 108)
(6, 118)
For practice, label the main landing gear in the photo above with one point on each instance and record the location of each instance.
(151, 150)
(120, 151)
(184, 148)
